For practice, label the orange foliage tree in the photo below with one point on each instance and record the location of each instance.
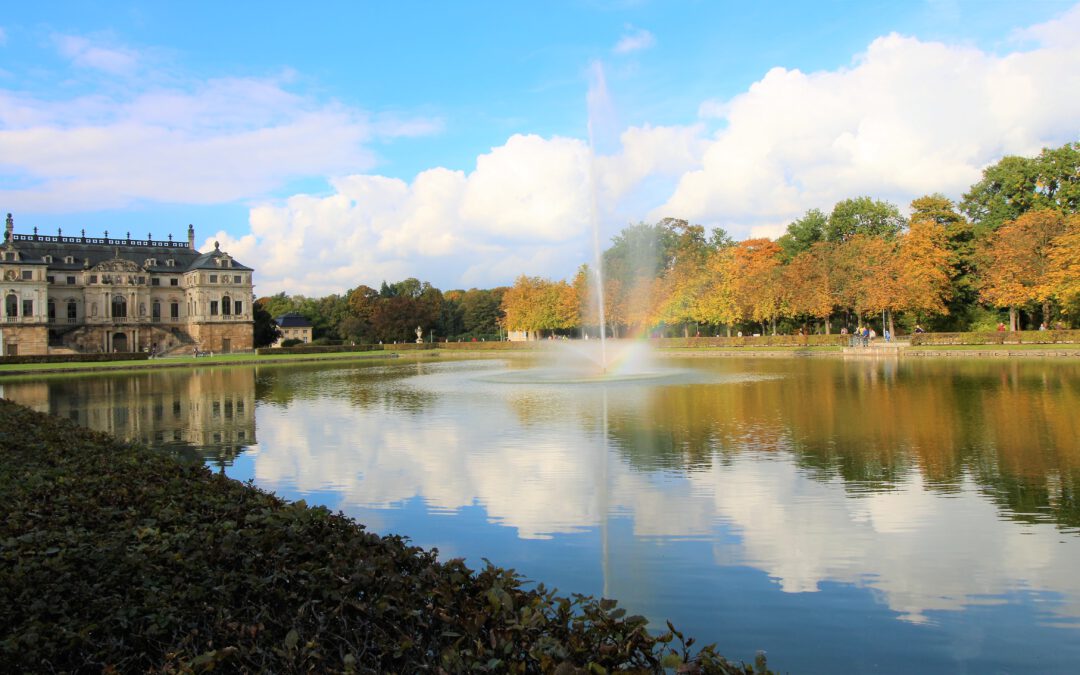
(810, 284)
(759, 287)
(1015, 264)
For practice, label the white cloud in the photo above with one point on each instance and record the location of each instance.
(906, 118)
(524, 209)
(85, 54)
(635, 39)
(222, 140)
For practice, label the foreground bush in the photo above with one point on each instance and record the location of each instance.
(115, 558)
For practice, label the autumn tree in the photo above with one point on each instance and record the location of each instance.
(960, 242)
(923, 267)
(716, 303)
(759, 284)
(1015, 263)
(677, 290)
(536, 305)
(810, 285)
(1063, 280)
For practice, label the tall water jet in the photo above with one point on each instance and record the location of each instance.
(598, 105)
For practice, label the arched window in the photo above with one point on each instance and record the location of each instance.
(11, 305)
(119, 307)
(226, 305)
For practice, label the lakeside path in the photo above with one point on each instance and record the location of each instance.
(1068, 351)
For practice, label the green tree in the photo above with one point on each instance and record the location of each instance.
(803, 233)
(1015, 185)
(266, 330)
(863, 215)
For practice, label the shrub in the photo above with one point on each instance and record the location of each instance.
(115, 558)
(315, 349)
(291, 342)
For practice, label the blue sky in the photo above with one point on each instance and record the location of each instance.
(334, 144)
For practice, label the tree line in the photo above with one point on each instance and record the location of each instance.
(1008, 251)
(390, 314)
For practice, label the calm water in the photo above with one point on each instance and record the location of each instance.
(843, 516)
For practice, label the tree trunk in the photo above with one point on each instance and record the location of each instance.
(1012, 318)
(729, 330)
(828, 326)
(892, 327)
(1046, 313)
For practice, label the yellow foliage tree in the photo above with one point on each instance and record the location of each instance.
(923, 264)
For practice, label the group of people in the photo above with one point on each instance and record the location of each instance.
(866, 334)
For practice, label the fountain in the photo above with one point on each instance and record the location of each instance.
(591, 361)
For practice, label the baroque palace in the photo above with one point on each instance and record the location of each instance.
(84, 294)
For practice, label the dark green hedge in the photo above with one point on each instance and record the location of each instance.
(1033, 337)
(117, 559)
(493, 345)
(69, 358)
(751, 341)
(316, 349)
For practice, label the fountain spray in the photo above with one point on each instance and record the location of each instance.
(596, 98)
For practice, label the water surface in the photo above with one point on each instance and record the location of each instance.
(860, 516)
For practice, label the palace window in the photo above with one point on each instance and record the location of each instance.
(71, 281)
(156, 310)
(170, 263)
(28, 307)
(238, 308)
(213, 308)
(27, 275)
(51, 308)
(213, 278)
(11, 305)
(69, 259)
(226, 305)
(119, 307)
(154, 281)
(174, 282)
(50, 279)
(174, 310)
(93, 278)
(237, 279)
(47, 258)
(71, 309)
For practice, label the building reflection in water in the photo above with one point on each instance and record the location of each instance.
(206, 414)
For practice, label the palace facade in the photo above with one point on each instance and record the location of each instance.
(64, 294)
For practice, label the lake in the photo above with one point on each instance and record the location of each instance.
(843, 515)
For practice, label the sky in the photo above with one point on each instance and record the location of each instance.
(329, 145)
